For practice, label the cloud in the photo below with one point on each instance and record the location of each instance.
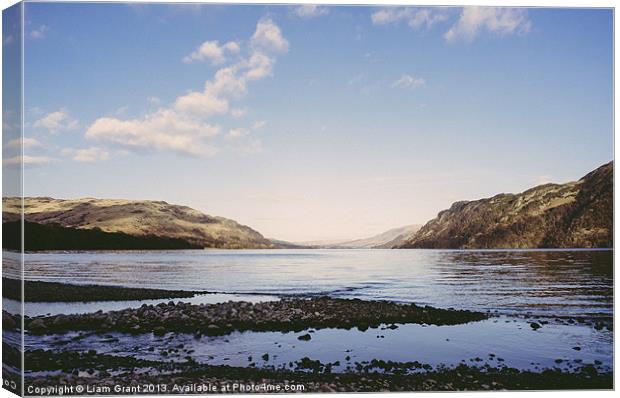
(39, 33)
(408, 81)
(26, 143)
(162, 130)
(268, 37)
(229, 82)
(201, 103)
(416, 18)
(501, 21)
(57, 121)
(28, 161)
(87, 155)
(212, 51)
(310, 11)
(259, 124)
(238, 112)
(259, 66)
(184, 126)
(235, 134)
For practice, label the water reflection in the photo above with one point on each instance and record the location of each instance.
(556, 282)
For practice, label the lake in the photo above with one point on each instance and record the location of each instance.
(511, 284)
(542, 282)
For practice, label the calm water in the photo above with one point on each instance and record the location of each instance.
(496, 341)
(542, 283)
(565, 283)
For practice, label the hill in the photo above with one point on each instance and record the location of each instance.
(384, 240)
(138, 218)
(577, 214)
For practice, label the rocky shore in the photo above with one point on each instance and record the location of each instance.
(133, 376)
(38, 291)
(292, 314)
(182, 373)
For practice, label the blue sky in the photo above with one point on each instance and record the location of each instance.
(317, 122)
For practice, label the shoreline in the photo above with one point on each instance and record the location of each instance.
(40, 291)
(94, 369)
(99, 370)
(287, 314)
(57, 292)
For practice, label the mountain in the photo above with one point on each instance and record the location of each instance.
(384, 240)
(397, 236)
(137, 218)
(54, 237)
(577, 214)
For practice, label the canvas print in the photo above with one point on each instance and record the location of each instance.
(230, 198)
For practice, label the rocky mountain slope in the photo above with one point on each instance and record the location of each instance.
(138, 218)
(577, 214)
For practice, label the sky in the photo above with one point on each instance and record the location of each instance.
(310, 123)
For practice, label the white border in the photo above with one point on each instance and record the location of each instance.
(521, 3)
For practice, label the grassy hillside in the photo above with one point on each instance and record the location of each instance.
(139, 219)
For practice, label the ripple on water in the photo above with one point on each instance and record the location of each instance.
(562, 282)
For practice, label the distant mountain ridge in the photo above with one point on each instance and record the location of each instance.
(384, 240)
(139, 218)
(577, 214)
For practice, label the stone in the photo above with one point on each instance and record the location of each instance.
(305, 337)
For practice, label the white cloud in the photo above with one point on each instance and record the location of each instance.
(259, 124)
(233, 47)
(502, 21)
(26, 142)
(212, 51)
(310, 11)
(201, 103)
(235, 134)
(87, 155)
(28, 161)
(408, 81)
(238, 112)
(259, 66)
(39, 32)
(57, 121)
(415, 17)
(165, 129)
(268, 37)
(184, 126)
